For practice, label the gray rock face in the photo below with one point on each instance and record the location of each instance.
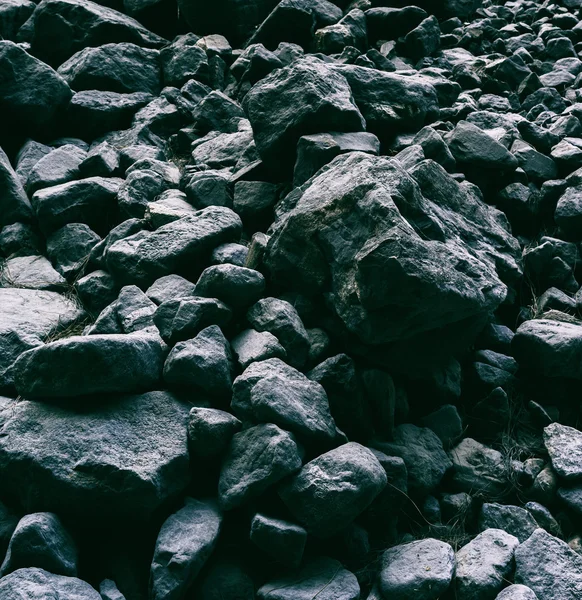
(421, 570)
(31, 272)
(30, 90)
(95, 364)
(124, 458)
(185, 542)
(564, 445)
(517, 592)
(333, 489)
(256, 459)
(109, 591)
(377, 260)
(549, 348)
(60, 165)
(273, 392)
(27, 318)
(282, 540)
(323, 577)
(38, 583)
(15, 204)
(424, 456)
(236, 286)
(173, 248)
(514, 520)
(252, 346)
(484, 564)
(40, 540)
(549, 567)
(306, 97)
(210, 431)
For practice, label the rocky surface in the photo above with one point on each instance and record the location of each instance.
(290, 300)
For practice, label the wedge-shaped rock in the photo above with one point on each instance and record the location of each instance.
(173, 248)
(91, 364)
(38, 583)
(27, 318)
(273, 392)
(13, 199)
(185, 542)
(564, 445)
(333, 489)
(122, 459)
(411, 262)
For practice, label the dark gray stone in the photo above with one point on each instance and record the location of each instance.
(185, 542)
(183, 60)
(514, 520)
(170, 287)
(333, 489)
(69, 248)
(517, 592)
(564, 446)
(253, 346)
(256, 459)
(13, 199)
(282, 540)
(108, 590)
(210, 431)
(238, 287)
(61, 165)
(31, 272)
(38, 583)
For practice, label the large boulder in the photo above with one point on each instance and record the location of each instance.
(30, 91)
(424, 264)
(564, 446)
(14, 204)
(26, 584)
(306, 97)
(91, 364)
(27, 319)
(121, 459)
(59, 28)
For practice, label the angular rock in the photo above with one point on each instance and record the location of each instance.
(282, 540)
(183, 60)
(119, 460)
(517, 592)
(109, 590)
(185, 542)
(13, 199)
(514, 520)
(69, 248)
(564, 446)
(305, 98)
(484, 564)
(422, 569)
(170, 287)
(256, 459)
(333, 489)
(96, 364)
(40, 540)
(31, 272)
(38, 583)
(323, 578)
(236, 286)
(253, 346)
(58, 166)
(549, 567)
(273, 392)
(210, 431)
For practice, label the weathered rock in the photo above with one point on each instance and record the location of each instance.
(517, 592)
(185, 542)
(484, 564)
(236, 286)
(253, 346)
(549, 567)
(514, 520)
(69, 248)
(422, 570)
(61, 165)
(256, 459)
(95, 364)
(170, 287)
(40, 540)
(13, 199)
(210, 431)
(564, 445)
(323, 577)
(109, 590)
(31, 272)
(282, 540)
(183, 60)
(31, 583)
(350, 474)
(119, 460)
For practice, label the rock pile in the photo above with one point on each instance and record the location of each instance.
(290, 300)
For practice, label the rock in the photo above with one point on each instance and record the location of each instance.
(226, 578)
(204, 362)
(282, 540)
(350, 474)
(254, 202)
(256, 459)
(40, 540)
(182, 319)
(210, 431)
(28, 583)
(170, 287)
(90, 201)
(8, 523)
(69, 248)
(96, 364)
(478, 468)
(568, 215)
(30, 91)
(549, 567)
(517, 592)
(109, 591)
(238, 287)
(61, 165)
(13, 199)
(28, 318)
(424, 456)
(273, 392)
(423, 40)
(253, 346)
(376, 315)
(13, 15)
(514, 520)
(322, 577)
(31, 272)
(305, 98)
(173, 248)
(446, 423)
(123, 68)
(484, 564)
(183, 60)
(281, 319)
(88, 25)
(564, 446)
(422, 569)
(135, 311)
(349, 31)
(120, 460)
(185, 542)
